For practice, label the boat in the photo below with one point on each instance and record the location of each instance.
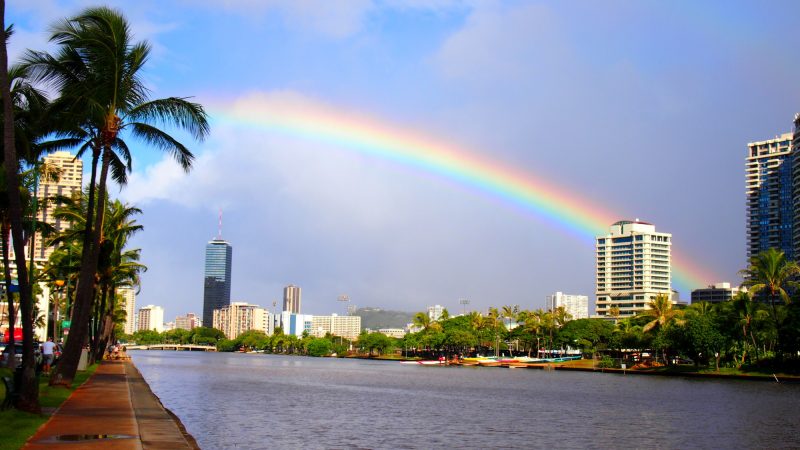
(425, 362)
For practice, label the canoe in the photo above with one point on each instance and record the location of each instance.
(424, 363)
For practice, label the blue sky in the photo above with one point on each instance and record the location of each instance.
(642, 107)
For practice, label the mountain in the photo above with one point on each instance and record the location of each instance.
(376, 318)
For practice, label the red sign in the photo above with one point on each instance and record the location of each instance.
(17, 335)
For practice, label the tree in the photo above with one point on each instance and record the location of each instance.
(29, 395)
(772, 275)
(319, 347)
(97, 71)
(588, 334)
(661, 312)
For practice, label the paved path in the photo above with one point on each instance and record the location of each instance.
(117, 405)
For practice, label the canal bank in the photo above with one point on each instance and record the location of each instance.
(114, 409)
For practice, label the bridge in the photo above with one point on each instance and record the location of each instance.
(176, 347)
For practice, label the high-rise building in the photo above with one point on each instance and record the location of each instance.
(633, 267)
(796, 184)
(770, 201)
(188, 322)
(291, 299)
(238, 317)
(348, 327)
(151, 317)
(128, 296)
(61, 175)
(576, 306)
(217, 282)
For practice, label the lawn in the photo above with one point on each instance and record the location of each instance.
(17, 426)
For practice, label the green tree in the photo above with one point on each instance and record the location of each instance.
(590, 335)
(319, 347)
(97, 71)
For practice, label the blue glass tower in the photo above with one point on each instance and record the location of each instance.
(217, 283)
(770, 197)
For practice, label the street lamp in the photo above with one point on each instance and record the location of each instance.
(464, 302)
(60, 284)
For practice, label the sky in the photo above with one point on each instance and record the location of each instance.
(327, 119)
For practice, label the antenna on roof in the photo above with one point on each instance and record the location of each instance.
(219, 231)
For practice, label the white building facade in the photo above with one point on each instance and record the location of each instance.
(633, 267)
(128, 297)
(151, 317)
(348, 327)
(576, 306)
(435, 312)
(295, 324)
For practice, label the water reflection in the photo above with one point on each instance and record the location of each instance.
(258, 401)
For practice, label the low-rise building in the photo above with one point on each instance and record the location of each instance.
(716, 293)
(294, 324)
(348, 327)
(398, 333)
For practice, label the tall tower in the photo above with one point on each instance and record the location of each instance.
(217, 282)
(129, 296)
(796, 183)
(633, 266)
(61, 174)
(291, 299)
(770, 204)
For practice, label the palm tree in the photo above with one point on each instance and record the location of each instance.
(747, 312)
(771, 274)
(97, 71)
(29, 395)
(661, 312)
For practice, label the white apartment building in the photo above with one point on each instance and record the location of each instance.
(633, 267)
(151, 317)
(238, 317)
(348, 327)
(435, 312)
(576, 306)
(128, 297)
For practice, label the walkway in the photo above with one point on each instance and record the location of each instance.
(116, 405)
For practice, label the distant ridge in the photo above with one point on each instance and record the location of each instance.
(376, 318)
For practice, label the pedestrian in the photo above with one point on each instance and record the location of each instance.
(48, 354)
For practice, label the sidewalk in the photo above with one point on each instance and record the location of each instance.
(115, 409)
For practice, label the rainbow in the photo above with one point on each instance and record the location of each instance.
(520, 190)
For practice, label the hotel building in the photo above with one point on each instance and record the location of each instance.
(576, 306)
(151, 318)
(291, 299)
(435, 312)
(633, 267)
(295, 324)
(217, 282)
(238, 317)
(770, 202)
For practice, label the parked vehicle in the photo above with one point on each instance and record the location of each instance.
(18, 354)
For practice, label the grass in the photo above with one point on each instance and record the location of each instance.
(17, 426)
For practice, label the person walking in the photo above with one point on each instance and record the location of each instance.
(48, 354)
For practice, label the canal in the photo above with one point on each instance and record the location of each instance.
(255, 401)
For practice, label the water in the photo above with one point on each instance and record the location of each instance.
(253, 401)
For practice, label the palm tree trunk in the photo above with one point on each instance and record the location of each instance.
(6, 229)
(29, 394)
(84, 293)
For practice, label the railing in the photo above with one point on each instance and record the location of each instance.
(176, 347)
